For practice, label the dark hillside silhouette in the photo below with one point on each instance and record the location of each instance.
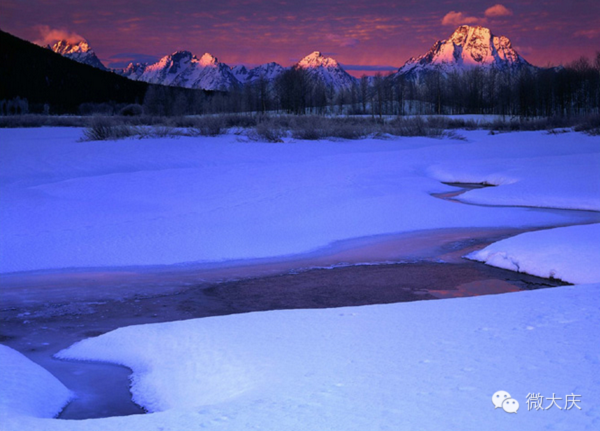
(42, 77)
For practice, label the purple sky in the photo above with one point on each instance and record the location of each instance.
(365, 36)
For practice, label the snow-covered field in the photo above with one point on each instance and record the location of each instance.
(72, 204)
(424, 365)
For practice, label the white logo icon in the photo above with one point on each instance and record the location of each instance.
(499, 397)
(504, 400)
(510, 405)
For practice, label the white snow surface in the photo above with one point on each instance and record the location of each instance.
(27, 389)
(570, 254)
(430, 365)
(69, 204)
(561, 180)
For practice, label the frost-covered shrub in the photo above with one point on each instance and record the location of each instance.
(437, 122)
(209, 125)
(239, 120)
(352, 128)
(308, 128)
(432, 127)
(14, 121)
(589, 125)
(413, 126)
(103, 129)
(461, 123)
(318, 127)
(269, 131)
(163, 132)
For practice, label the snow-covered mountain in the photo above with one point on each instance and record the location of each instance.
(133, 70)
(240, 72)
(467, 47)
(327, 71)
(269, 72)
(183, 69)
(80, 52)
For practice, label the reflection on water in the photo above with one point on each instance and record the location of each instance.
(476, 288)
(46, 311)
(32, 288)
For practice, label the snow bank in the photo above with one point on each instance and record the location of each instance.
(421, 365)
(532, 169)
(72, 204)
(28, 389)
(570, 254)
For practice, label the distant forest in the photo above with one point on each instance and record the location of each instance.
(36, 80)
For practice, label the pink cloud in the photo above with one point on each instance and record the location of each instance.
(49, 36)
(459, 18)
(590, 34)
(497, 11)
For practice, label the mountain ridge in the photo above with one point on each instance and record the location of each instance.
(468, 47)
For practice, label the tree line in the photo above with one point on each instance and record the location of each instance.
(35, 79)
(564, 91)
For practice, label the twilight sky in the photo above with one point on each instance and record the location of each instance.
(364, 35)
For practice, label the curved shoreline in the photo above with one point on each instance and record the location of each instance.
(31, 288)
(41, 328)
(80, 284)
(46, 311)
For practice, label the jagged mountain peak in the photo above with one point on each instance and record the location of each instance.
(133, 70)
(183, 69)
(267, 72)
(317, 59)
(185, 57)
(208, 60)
(467, 47)
(326, 70)
(240, 72)
(464, 33)
(65, 47)
(79, 51)
(180, 55)
(241, 69)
